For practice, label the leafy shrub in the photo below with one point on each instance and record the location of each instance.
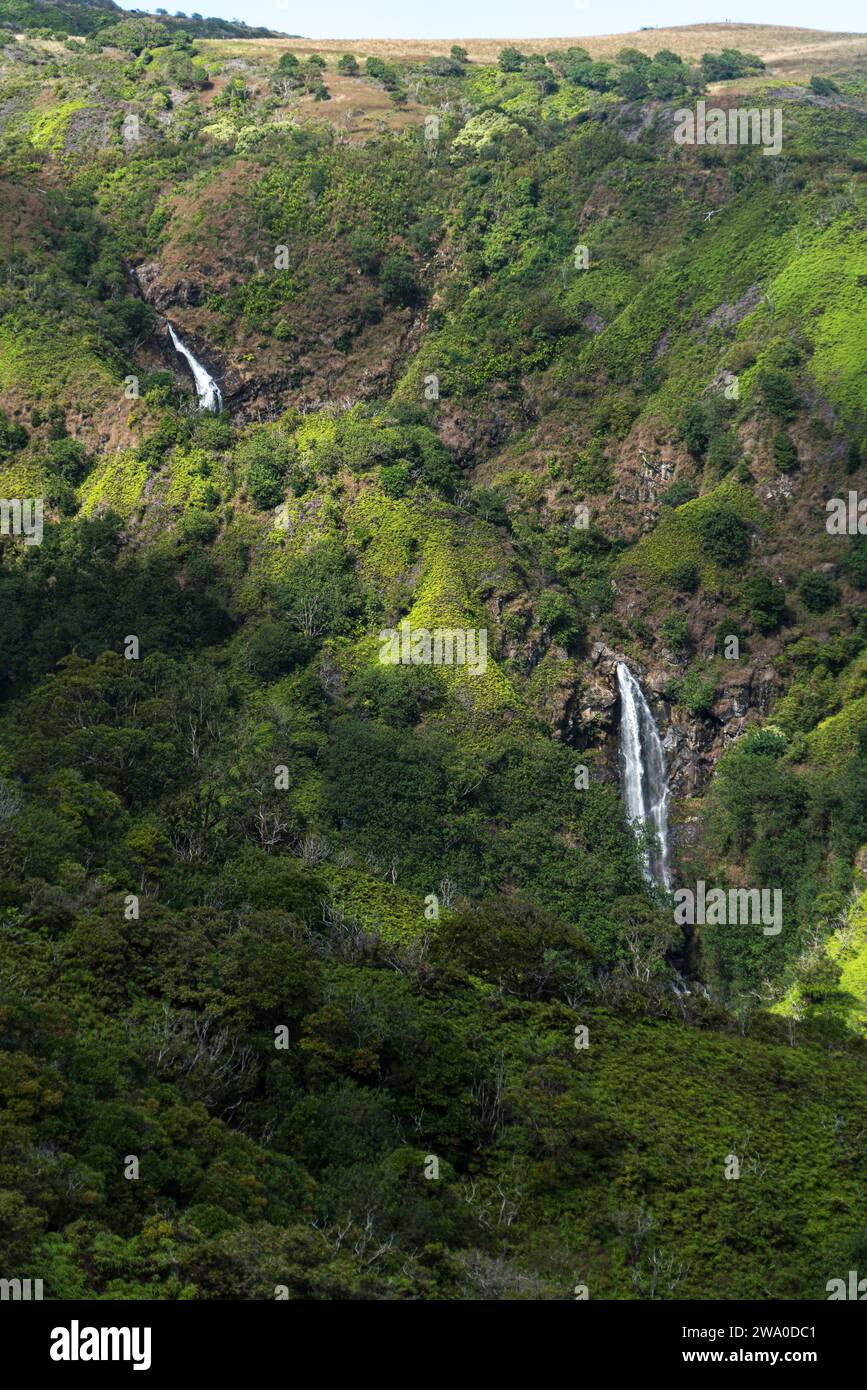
(12, 437)
(678, 493)
(695, 429)
(685, 576)
(817, 592)
(517, 946)
(720, 67)
(395, 479)
(272, 648)
(488, 506)
(823, 86)
(780, 395)
(68, 459)
(723, 453)
(384, 73)
(856, 561)
(399, 695)
(694, 691)
(320, 594)
(397, 280)
(559, 617)
(725, 536)
(725, 630)
(766, 601)
(365, 250)
(784, 451)
(674, 632)
(347, 64)
(263, 455)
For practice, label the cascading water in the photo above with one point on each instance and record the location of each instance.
(644, 773)
(207, 390)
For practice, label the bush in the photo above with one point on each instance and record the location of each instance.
(558, 617)
(68, 459)
(728, 628)
(395, 479)
(695, 691)
(780, 395)
(785, 452)
(725, 536)
(678, 493)
(674, 632)
(856, 561)
(384, 73)
(488, 506)
(365, 250)
(348, 65)
(517, 946)
(817, 592)
(264, 455)
(12, 437)
(695, 429)
(720, 67)
(766, 601)
(723, 453)
(271, 649)
(823, 86)
(684, 576)
(397, 280)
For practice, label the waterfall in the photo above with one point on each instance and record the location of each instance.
(644, 773)
(209, 394)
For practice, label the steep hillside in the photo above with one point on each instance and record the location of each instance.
(291, 906)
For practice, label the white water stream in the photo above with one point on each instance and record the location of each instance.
(207, 390)
(644, 773)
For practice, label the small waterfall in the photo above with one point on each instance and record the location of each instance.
(644, 773)
(209, 393)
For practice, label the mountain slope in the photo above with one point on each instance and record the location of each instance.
(292, 905)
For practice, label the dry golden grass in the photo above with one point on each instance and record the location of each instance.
(784, 49)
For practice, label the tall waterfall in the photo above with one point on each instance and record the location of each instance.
(644, 773)
(210, 396)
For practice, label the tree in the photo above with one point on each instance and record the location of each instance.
(784, 451)
(511, 60)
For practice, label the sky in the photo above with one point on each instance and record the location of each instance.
(468, 19)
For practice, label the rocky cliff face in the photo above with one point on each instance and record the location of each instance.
(693, 743)
(338, 358)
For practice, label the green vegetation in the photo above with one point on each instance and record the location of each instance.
(287, 920)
